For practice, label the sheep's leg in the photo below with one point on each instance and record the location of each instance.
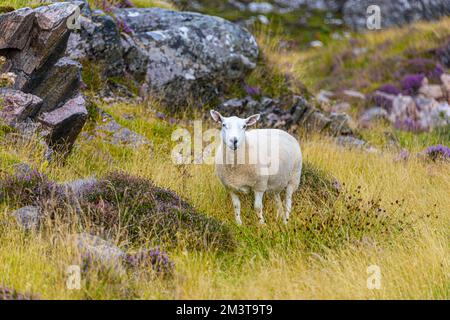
(237, 207)
(279, 204)
(259, 206)
(289, 192)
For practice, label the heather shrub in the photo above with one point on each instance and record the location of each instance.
(12, 294)
(154, 259)
(390, 89)
(429, 68)
(138, 210)
(27, 188)
(411, 83)
(438, 152)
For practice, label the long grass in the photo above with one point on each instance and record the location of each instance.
(270, 262)
(329, 261)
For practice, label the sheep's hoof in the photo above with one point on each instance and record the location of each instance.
(262, 222)
(239, 222)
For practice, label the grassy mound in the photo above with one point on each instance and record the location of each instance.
(139, 210)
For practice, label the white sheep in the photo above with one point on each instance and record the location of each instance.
(258, 160)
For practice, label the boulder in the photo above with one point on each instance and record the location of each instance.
(371, 115)
(394, 12)
(49, 36)
(16, 26)
(445, 79)
(63, 125)
(93, 248)
(192, 57)
(78, 187)
(18, 106)
(58, 84)
(28, 217)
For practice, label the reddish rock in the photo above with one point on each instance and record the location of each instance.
(17, 106)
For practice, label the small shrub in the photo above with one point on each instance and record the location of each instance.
(12, 294)
(390, 89)
(438, 152)
(141, 210)
(155, 259)
(30, 188)
(429, 68)
(411, 83)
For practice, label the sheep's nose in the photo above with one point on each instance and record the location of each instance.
(234, 142)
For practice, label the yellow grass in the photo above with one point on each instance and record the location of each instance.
(414, 266)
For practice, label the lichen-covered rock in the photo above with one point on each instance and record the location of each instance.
(191, 56)
(394, 12)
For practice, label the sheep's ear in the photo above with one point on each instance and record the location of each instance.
(252, 119)
(217, 117)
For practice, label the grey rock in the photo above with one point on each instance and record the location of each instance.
(98, 249)
(191, 56)
(352, 142)
(340, 124)
(59, 84)
(354, 94)
(28, 217)
(79, 187)
(260, 7)
(371, 115)
(17, 106)
(394, 12)
(112, 132)
(64, 124)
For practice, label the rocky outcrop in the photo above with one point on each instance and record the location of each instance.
(394, 12)
(423, 110)
(46, 84)
(292, 115)
(179, 57)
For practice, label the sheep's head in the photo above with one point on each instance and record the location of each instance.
(233, 128)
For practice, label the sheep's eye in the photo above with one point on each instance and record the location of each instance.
(244, 126)
(224, 125)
